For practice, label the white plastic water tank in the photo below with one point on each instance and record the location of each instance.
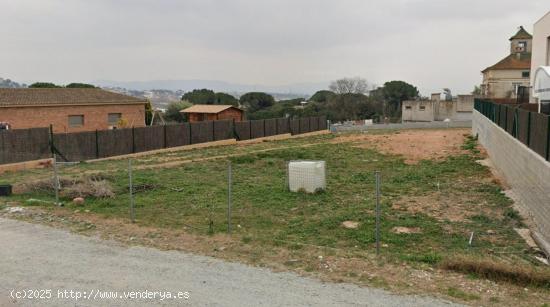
(308, 176)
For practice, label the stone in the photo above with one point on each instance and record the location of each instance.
(15, 209)
(400, 230)
(78, 201)
(350, 224)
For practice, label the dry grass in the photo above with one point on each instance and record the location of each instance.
(84, 186)
(498, 270)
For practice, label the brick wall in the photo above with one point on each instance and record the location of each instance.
(231, 114)
(524, 170)
(95, 117)
(226, 114)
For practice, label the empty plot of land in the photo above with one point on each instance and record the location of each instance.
(434, 196)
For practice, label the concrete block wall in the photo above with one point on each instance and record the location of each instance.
(527, 173)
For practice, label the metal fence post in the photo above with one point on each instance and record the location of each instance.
(133, 139)
(165, 138)
(56, 180)
(97, 144)
(377, 235)
(131, 188)
(229, 187)
(52, 146)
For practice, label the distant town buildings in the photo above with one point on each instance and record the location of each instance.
(507, 78)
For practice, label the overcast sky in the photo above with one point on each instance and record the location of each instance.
(429, 43)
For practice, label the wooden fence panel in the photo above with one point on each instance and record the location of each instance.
(502, 116)
(304, 125)
(283, 125)
(270, 127)
(178, 135)
(496, 112)
(31, 144)
(295, 126)
(523, 126)
(257, 129)
(202, 132)
(323, 123)
(539, 133)
(510, 118)
(76, 147)
(313, 124)
(115, 142)
(148, 138)
(21, 145)
(223, 130)
(242, 130)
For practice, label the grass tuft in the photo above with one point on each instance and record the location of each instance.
(499, 271)
(457, 293)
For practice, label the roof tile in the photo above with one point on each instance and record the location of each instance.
(512, 62)
(208, 108)
(62, 96)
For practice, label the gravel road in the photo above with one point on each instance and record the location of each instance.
(36, 257)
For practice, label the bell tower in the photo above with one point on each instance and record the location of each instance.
(521, 43)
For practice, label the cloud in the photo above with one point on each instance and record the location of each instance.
(430, 43)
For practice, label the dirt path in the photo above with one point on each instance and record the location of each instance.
(39, 257)
(414, 145)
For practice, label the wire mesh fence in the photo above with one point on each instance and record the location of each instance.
(243, 190)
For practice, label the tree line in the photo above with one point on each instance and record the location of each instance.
(346, 99)
(53, 85)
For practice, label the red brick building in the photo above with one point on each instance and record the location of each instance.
(202, 112)
(70, 109)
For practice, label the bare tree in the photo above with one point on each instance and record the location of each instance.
(355, 85)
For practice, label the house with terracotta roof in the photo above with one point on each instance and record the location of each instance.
(69, 109)
(507, 78)
(203, 112)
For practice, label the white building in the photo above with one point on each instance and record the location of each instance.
(541, 58)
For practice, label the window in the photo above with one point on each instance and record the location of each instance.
(422, 108)
(114, 118)
(522, 46)
(408, 107)
(525, 74)
(76, 120)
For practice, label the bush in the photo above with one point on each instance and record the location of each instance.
(173, 111)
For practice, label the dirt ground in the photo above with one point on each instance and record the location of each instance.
(414, 145)
(333, 265)
(445, 207)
